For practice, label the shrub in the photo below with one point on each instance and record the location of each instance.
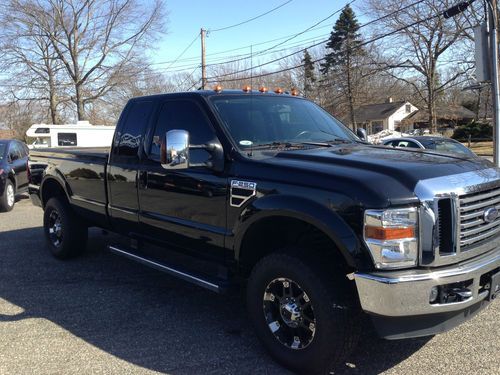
(474, 129)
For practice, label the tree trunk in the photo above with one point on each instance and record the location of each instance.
(52, 99)
(80, 108)
(349, 94)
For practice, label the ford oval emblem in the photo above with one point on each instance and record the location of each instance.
(491, 214)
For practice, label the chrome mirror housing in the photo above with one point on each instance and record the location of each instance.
(175, 150)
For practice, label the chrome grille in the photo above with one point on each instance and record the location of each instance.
(473, 228)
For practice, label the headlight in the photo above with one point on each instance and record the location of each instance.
(392, 237)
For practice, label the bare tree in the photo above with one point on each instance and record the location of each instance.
(27, 55)
(96, 41)
(420, 51)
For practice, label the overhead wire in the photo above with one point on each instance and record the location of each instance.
(319, 43)
(251, 19)
(379, 37)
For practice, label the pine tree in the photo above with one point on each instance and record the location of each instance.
(309, 76)
(344, 47)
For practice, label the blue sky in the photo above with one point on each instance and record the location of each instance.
(187, 17)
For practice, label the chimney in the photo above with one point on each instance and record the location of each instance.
(389, 99)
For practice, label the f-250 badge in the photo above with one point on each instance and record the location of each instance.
(241, 192)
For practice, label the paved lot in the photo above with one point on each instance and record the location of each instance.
(102, 314)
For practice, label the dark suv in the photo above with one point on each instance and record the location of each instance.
(13, 172)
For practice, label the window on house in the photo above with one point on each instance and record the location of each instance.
(408, 108)
(377, 126)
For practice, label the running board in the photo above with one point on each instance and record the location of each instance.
(217, 286)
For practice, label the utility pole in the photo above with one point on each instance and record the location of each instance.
(203, 64)
(493, 23)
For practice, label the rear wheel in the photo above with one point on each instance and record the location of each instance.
(65, 234)
(8, 198)
(305, 317)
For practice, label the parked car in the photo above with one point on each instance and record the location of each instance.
(439, 144)
(14, 172)
(275, 195)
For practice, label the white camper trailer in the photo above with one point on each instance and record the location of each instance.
(82, 134)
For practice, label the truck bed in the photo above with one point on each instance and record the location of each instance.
(81, 170)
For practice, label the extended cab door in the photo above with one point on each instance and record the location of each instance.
(185, 207)
(124, 163)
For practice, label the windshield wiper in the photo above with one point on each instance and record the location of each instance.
(275, 144)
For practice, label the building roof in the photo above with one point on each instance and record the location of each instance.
(7, 134)
(380, 111)
(450, 112)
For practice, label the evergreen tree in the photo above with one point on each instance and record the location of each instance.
(309, 76)
(344, 47)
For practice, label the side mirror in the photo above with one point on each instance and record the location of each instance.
(175, 150)
(361, 133)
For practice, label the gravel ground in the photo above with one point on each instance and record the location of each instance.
(101, 314)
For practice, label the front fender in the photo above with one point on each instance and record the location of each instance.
(326, 220)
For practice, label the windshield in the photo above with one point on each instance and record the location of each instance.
(449, 146)
(262, 120)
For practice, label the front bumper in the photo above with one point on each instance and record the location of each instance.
(403, 297)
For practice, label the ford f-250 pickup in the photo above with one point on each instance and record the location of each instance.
(270, 192)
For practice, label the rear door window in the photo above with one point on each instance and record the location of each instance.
(128, 139)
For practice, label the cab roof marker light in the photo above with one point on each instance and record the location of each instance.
(218, 88)
(278, 90)
(247, 88)
(295, 92)
(263, 89)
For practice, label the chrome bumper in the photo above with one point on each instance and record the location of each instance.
(406, 293)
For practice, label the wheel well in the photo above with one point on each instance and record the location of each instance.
(275, 233)
(51, 188)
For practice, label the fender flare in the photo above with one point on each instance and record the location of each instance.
(309, 211)
(58, 177)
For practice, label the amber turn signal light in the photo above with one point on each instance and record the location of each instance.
(247, 88)
(278, 90)
(263, 89)
(218, 88)
(383, 234)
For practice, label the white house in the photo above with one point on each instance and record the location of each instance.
(385, 116)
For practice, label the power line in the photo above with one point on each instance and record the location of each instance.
(290, 38)
(352, 49)
(251, 19)
(183, 52)
(313, 45)
(194, 58)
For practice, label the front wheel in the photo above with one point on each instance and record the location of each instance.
(65, 234)
(304, 317)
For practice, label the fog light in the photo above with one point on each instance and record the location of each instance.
(434, 294)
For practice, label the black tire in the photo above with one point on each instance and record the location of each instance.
(65, 234)
(7, 200)
(332, 304)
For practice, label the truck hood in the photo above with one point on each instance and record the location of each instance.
(389, 174)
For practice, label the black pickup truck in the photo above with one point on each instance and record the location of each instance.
(269, 192)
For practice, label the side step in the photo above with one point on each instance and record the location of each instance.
(213, 284)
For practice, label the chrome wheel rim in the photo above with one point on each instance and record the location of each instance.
(10, 195)
(55, 229)
(289, 313)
